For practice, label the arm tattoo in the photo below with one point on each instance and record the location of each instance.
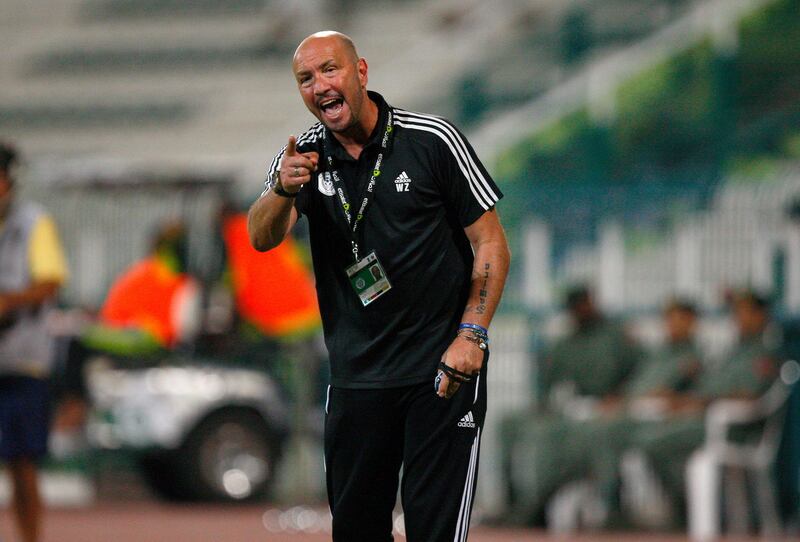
(484, 293)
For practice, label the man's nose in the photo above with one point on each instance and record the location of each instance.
(321, 86)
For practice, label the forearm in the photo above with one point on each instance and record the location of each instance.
(489, 269)
(269, 220)
(466, 352)
(489, 273)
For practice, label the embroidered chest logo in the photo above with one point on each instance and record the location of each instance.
(325, 184)
(402, 183)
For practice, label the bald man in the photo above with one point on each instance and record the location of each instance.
(410, 260)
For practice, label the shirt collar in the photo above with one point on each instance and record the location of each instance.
(375, 138)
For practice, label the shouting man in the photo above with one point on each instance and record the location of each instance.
(410, 260)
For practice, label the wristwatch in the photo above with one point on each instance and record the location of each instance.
(278, 188)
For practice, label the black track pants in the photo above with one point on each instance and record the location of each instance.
(370, 433)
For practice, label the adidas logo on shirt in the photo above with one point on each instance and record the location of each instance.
(467, 421)
(402, 182)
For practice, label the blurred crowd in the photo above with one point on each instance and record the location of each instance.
(602, 396)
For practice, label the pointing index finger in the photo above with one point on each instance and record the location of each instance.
(291, 147)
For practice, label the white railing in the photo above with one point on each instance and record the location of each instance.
(734, 243)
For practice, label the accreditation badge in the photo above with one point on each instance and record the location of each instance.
(368, 279)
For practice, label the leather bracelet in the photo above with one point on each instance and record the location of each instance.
(482, 343)
(278, 189)
(474, 333)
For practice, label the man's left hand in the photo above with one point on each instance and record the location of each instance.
(464, 356)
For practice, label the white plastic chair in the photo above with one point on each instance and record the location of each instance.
(704, 471)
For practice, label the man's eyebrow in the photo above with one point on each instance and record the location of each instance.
(322, 66)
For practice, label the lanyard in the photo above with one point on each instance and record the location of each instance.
(366, 197)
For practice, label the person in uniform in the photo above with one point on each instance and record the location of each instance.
(32, 270)
(410, 261)
(745, 373)
(663, 378)
(546, 448)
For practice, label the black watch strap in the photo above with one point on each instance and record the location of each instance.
(278, 189)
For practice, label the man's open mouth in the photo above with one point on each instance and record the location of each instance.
(331, 107)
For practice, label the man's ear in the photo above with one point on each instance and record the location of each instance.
(362, 72)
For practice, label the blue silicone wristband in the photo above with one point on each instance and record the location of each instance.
(475, 327)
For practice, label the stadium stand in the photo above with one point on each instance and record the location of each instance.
(147, 9)
(49, 115)
(685, 136)
(228, 61)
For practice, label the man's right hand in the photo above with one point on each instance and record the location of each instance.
(296, 168)
(271, 218)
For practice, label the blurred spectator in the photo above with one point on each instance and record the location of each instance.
(584, 369)
(593, 360)
(753, 365)
(150, 309)
(154, 304)
(746, 373)
(32, 269)
(676, 366)
(656, 388)
(273, 291)
(276, 307)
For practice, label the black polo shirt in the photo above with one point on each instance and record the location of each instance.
(431, 186)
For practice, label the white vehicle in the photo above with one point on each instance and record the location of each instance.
(202, 431)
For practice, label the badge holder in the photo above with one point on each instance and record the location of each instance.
(368, 279)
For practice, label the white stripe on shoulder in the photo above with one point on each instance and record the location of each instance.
(457, 137)
(312, 134)
(480, 197)
(458, 140)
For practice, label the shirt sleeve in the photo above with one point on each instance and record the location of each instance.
(269, 182)
(46, 257)
(468, 189)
